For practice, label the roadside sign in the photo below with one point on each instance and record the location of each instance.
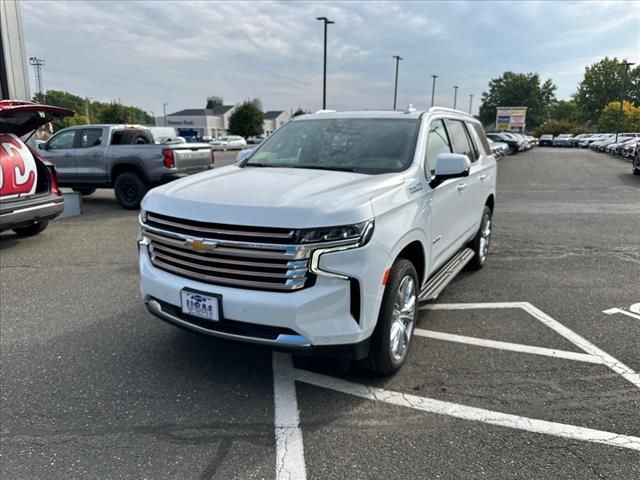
(511, 118)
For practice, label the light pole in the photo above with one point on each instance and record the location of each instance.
(324, 70)
(395, 88)
(153, 114)
(624, 88)
(470, 102)
(164, 113)
(455, 96)
(86, 109)
(433, 88)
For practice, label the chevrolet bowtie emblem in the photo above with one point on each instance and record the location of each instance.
(200, 245)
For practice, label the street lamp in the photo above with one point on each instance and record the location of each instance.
(470, 102)
(455, 96)
(395, 89)
(433, 88)
(324, 74)
(164, 113)
(624, 91)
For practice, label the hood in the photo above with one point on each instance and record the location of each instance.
(272, 197)
(20, 117)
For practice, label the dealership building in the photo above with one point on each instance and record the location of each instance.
(214, 122)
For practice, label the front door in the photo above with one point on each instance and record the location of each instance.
(59, 151)
(447, 200)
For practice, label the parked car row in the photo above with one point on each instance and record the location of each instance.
(515, 142)
(626, 145)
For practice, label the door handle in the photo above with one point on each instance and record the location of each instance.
(68, 155)
(95, 154)
(461, 186)
(483, 177)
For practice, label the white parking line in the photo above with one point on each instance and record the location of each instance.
(611, 311)
(289, 448)
(513, 347)
(469, 413)
(606, 359)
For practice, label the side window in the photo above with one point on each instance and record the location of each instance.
(63, 140)
(90, 137)
(460, 139)
(481, 138)
(437, 142)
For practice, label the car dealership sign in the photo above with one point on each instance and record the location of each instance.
(511, 118)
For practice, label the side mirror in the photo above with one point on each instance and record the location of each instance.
(42, 146)
(450, 165)
(243, 154)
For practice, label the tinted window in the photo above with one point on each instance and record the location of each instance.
(437, 142)
(90, 137)
(480, 136)
(63, 140)
(363, 145)
(460, 139)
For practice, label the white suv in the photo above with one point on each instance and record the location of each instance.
(327, 236)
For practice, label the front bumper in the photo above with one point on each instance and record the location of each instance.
(16, 214)
(318, 317)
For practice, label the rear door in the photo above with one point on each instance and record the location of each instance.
(60, 151)
(90, 146)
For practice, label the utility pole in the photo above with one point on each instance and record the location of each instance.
(395, 89)
(622, 95)
(470, 102)
(164, 113)
(433, 88)
(324, 70)
(455, 96)
(86, 109)
(37, 64)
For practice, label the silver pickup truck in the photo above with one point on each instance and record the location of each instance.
(121, 157)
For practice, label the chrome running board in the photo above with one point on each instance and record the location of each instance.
(443, 277)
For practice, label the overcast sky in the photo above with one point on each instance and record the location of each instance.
(148, 53)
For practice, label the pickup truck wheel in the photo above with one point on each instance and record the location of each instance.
(481, 242)
(84, 190)
(129, 189)
(398, 314)
(31, 230)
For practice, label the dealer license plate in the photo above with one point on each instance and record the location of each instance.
(199, 305)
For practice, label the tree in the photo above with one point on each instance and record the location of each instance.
(519, 90)
(214, 101)
(556, 127)
(629, 120)
(258, 103)
(566, 110)
(246, 120)
(299, 111)
(602, 84)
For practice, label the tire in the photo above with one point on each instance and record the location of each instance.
(636, 164)
(129, 189)
(482, 241)
(385, 356)
(31, 230)
(84, 190)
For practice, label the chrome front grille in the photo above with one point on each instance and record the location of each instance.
(244, 257)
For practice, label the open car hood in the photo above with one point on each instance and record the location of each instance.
(20, 118)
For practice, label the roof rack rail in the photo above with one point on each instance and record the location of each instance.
(450, 110)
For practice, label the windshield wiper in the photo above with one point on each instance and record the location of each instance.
(324, 167)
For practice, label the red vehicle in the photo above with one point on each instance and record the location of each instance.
(29, 193)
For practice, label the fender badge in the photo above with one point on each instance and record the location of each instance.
(200, 245)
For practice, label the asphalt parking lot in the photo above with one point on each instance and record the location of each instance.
(517, 372)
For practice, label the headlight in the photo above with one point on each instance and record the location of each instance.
(142, 218)
(360, 233)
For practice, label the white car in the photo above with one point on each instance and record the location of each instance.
(231, 142)
(327, 236)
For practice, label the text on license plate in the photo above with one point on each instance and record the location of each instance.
(199, 305)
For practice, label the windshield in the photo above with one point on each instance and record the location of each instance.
(363, 145)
